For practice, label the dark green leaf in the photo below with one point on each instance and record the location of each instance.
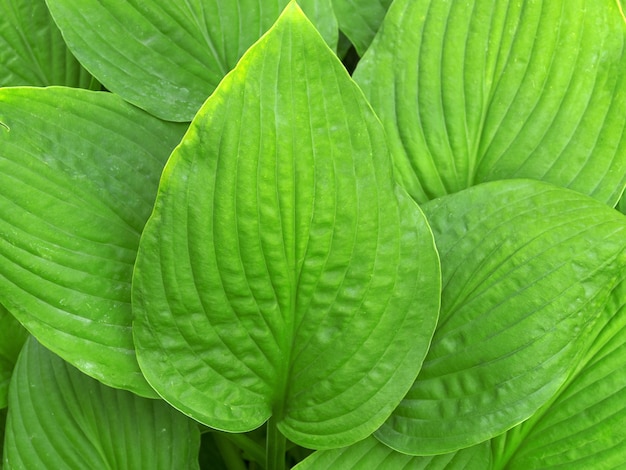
(12, 337)
(32, 50)
(360, 20)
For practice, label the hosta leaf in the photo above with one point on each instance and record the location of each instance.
(167, 57)
(584, 426)
(482, 90)
(526, 268)
(359, 20)
(12, 337)
(282, 273)
(32, 50)
(371, 454)
(61, 418)
(78, 176)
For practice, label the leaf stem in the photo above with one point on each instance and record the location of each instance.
(276, 446)
(230, 453)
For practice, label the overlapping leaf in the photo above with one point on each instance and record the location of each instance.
(482, 90)
(583, 426)
(32, 50)
(12, 337)
(60, 418)
(168, 57)
(370, 454)
(282, 273)
(526, 269)
(360, 20)
(78, 176)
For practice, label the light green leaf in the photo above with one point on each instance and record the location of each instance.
(12, 337)
(482, 90)
(584, 426)
(60, 418)
(371, 454)
(78, 176)
(32, 50)
(526, 268)
(167, 57)
(282, 272)
(360, 20)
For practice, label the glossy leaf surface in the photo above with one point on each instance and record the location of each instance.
(282, 273)
(583, 426)
(78, 177)
(32, 50)
(371, 454)
(526, 269)
(167, 57)
(482, 90)
(12, 337)
(61, 418)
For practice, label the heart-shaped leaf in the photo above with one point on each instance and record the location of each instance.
(78, 176)
(32, 50)
(167, 57)
(12, 337)
(526, 268)
(584, 425)
(481, 90)
(61, 418)
(282, 272)
(371, 454)
(360, 20)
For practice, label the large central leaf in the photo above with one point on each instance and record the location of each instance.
(282, 273)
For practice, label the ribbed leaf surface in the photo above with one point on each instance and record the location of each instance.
(78, 176)
(32, 50)
(482, 90)
(282, 272)
(583, 426)
(526, 269)
(371, 454)
(167, 57)
(60, 418)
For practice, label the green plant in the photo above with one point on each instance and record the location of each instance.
(419, 266)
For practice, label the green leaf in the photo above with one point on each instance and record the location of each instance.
(584, 425)
(60, 418)
(360, 20)
(12, 337)
(483, 90)
(371, 454)
(282, 272)
(78, 176)
(32, 50)
(526, 269)
(167, 57)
